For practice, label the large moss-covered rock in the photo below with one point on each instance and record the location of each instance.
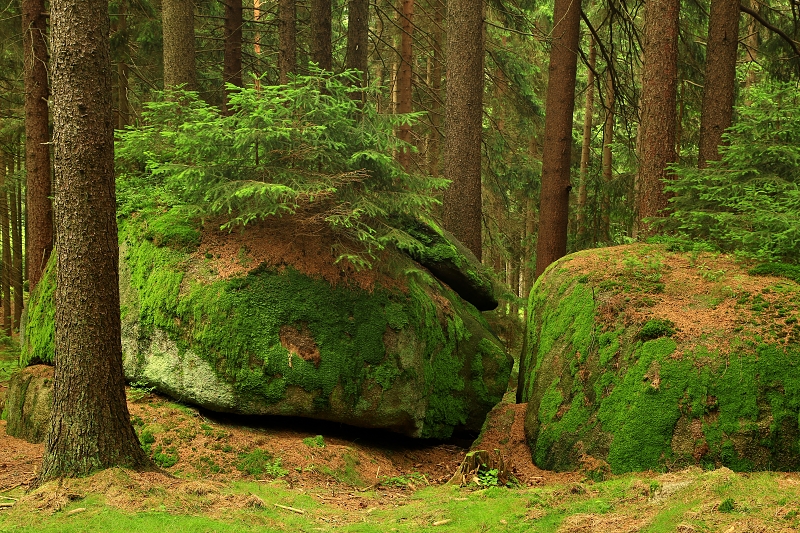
(263, 322)
(29, 402)
(652, 359)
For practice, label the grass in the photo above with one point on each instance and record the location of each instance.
(704, 500)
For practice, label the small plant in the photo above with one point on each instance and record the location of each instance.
(146, 439)
(653, 329)
(165, 458)
(314, 442)
(139, 390)
(488, 478)
(260, 462)
(405, 480)
(727, 506)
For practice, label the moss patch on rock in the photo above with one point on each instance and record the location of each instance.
(650, 359)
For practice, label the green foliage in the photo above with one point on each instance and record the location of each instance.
(302, 148)
(656, 328)
(260, 462)
(165, 457)
(727, 506)
(315, 442)
(750, 201)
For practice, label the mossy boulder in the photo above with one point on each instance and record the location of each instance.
(264, 322)
(648, 358)
(451, 262)
(29, 403)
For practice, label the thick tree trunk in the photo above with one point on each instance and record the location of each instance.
(588, 111)
(719, 90)
(404, 80)
(179, 49)
(232, 62)
(287, 37)
(658, 124)
(321, 36)
(463, 116)
(37, 138)
(608, 139)
(557, 149)
(358, 40)
(90, 426)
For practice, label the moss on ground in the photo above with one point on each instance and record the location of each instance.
(603, 385)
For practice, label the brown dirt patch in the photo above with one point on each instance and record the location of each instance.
(707, 296)
(504, 430)
(306, 245)
(19, 462)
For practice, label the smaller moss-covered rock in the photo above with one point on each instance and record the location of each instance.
(451, 262)
(29, 403)
(649, 359)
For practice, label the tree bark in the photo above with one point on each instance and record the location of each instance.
(434, 144)
(321, 35)
(588, 111)
(608, 139)
(358, 40)
(287, 36)
(16, 248)
(659, 79)
(463, 116)
(123, 104)
(232, 62)
(179, 48)
(90, 426)
(37, 138)
(6, 267)
(719, 90)
(404, 77)
(557, 148)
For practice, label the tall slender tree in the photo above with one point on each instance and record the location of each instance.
(37, 139)
(719, 89)
(588, 111)
(404, 76)
(607, 163)
(557, 149)
(358, 39)
(90, 426)
(179, 47)
(658, 123)
(287, 37)
(5, 172)
(463, 115)
(321, 34)
(232, 62)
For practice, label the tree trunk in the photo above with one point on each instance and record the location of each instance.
(90, 426)
(434, 142)
(358, 40)
(179, 49)
(752, 51)
(16, 239)
(659, 78)
(720, 83)
(608, 139)
(404, 81)
(321, 36)
(588, 111)
(463, 116)
(232, 62)
(557, 149)
(287, 36)
(123, 104)
(5, 174)
(37, 138)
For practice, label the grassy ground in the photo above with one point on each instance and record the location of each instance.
(687, 501)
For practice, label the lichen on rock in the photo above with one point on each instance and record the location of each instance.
(653, 359)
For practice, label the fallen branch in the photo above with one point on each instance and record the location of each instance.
(293, 509)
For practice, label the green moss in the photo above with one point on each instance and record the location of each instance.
(175, 228)
(40, 324)
(784, 270)
(656, 328)
(551, 401)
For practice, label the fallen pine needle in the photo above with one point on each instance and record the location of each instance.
(8, 498)
(6, 504)
(293, 509)
(442, 522)
(76, 511)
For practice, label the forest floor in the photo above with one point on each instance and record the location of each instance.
(224, 474)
